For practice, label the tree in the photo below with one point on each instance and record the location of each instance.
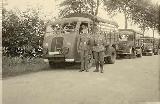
(154, 17)
(21, 30)
(79, 6)
(141, 12)
(122, 6)
(145, 14)
(159, 19)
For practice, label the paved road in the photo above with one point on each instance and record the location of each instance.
(128, 81)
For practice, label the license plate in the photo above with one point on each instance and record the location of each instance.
(45, 60)
(69, 60)
(53, 53)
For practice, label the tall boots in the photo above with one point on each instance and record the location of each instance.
(97, 67)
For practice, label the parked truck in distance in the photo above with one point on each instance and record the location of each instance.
(156, 46)
(148, 48)
(129, 44)
(150, 45)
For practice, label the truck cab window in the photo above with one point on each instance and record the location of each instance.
(83, 28)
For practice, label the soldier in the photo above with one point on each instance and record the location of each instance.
(98, 49)
(83, 48)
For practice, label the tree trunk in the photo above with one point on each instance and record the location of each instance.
(143, 32)
(92, 12)
(153, 36)
(96, 12)
(125, 17)
(153, 32)
(79, 7)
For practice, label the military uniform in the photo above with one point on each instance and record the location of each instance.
(98, 51)
(83, 49)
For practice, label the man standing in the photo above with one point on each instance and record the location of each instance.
(83, 48)
(98, 49)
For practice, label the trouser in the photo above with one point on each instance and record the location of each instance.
(99, 59)
(84, 59)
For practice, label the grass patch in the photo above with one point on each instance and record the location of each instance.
(17, 66)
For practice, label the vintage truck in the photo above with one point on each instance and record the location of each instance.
(60, 39)
(129, 44)
(148, 45)
(156, 46)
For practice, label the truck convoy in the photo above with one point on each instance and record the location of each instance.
(60, 40)
(129, 44)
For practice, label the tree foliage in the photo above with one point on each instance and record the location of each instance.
(21, 31)
(123, 6)
(141, 12)
(79, 6)
(145, 14)
(114, 6)
(159, 19)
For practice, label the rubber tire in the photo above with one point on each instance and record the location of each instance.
(132, 55)
(111, 59)
(139, 55)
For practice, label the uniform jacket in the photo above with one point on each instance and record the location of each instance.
(83, 41)
(98, 43)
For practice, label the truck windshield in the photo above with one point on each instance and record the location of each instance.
(126, 36)
(69, 27)
(60, 29)
(147, 40)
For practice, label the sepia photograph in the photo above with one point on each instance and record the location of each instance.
(80, 52)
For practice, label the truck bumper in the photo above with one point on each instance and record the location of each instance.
(54, 58)
(57, 58)
(148, 53)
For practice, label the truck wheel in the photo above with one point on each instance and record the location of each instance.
(111, 59)
(132, 54)
(156, 53)
(152, 54)
(118, 57)
(139, 55)
(105, 60)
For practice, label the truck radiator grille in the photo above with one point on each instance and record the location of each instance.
(57, 44)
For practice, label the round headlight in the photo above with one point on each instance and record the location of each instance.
(46, 44)
(45, 51)
(65, 50)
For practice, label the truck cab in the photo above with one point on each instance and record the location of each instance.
(129, 43)
(148, 48)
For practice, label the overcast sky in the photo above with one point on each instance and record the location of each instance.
(49, 10)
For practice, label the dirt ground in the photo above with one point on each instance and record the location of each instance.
(128, 81)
